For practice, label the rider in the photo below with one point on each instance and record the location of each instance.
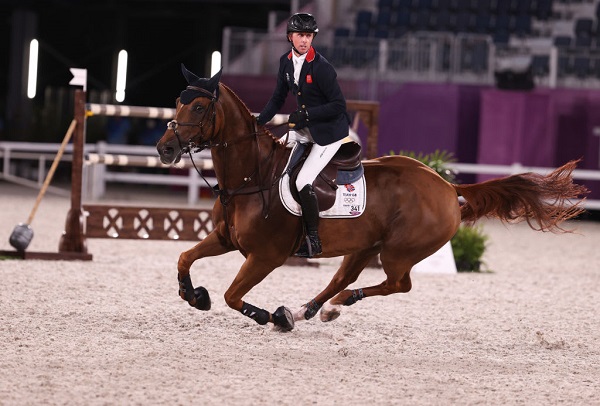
(320, 119)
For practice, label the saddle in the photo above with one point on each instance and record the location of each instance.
(345, 167)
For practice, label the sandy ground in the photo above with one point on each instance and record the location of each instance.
(114, 331)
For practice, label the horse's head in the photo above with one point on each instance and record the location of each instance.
(195, 124)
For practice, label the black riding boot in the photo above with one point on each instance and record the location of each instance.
(310, 214)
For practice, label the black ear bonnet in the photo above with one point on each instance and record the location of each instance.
(199, 87)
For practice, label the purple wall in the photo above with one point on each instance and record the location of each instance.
(426, 117)
(256, 91)
(541, 128)
(417, 117)
(478, 124)
(514, 127)
(545, 127)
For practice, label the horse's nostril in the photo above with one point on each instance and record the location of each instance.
(166, 154)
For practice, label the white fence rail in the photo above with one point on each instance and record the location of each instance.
(18, 157)
(97, 173)
(101, 157)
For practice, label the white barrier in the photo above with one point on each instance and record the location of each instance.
(95, 164)
(101, 155)
(97, 173)
(94, 109)
(129, 111)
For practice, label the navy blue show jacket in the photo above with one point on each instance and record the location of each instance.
(317, 91)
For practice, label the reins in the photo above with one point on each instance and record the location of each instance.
(225, 195)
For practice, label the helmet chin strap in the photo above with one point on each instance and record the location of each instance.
(296, 51)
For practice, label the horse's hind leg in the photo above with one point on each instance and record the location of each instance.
(398, 281)
(352, 266)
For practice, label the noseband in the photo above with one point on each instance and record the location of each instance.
(191, 147)
(210, 110)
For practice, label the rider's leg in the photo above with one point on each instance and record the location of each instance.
(310, 215)
(318, 158)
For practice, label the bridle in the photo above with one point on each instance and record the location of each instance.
(210, 109)
(190, 147)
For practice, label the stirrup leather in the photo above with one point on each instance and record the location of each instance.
(311, 246)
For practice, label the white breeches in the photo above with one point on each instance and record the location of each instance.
(319, 157)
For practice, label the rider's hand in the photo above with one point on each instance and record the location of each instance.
(260, 121)
(299, 118)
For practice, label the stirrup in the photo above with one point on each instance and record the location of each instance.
(311, 246)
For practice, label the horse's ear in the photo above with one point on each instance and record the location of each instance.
(189, 76)
(213, 83)
(191, 92)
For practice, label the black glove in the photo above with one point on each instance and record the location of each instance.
(299, 118)
(261, 121)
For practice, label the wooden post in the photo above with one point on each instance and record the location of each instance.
(369, 114)
(73, 239)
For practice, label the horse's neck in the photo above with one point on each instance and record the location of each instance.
(248, 164)
(247, 158)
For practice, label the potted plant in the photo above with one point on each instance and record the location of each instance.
(468, 246)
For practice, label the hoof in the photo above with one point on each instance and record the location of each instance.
(330, 312)
(202, 298)
(299, 314)
(283, 319)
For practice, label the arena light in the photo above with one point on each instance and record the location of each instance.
(121, 76)
(215, 63)
(33, 63)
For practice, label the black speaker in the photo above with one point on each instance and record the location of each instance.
(514, 73)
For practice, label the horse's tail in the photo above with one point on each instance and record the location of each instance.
(543, 201)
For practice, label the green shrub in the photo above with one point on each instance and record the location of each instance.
(437, 161)
(468, 245)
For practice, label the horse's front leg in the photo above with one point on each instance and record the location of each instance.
(252, 272)
(212, 245)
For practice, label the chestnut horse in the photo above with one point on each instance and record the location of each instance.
(410, 211)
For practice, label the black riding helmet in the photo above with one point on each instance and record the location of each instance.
(302, 22)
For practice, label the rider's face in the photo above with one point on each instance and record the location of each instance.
(302, 41)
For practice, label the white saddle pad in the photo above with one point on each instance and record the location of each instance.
(350, 199)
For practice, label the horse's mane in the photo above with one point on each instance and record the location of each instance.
(245, 108)
(236, 97)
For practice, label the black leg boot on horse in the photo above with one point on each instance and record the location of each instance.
(310, 214)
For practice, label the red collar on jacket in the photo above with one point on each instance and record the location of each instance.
(310, 55)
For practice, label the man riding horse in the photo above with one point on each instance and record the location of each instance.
(321, 118)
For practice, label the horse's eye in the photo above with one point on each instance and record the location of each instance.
(198, 107)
